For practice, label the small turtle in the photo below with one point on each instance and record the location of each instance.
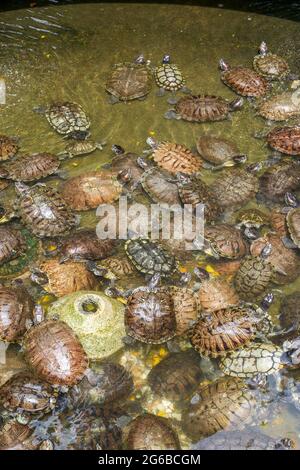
(186, 308)
(43, 210)
(8, 147)
(168, 77)
(68, 119)
(151, 432)
(218, 151)
(260, 358)
(28, 168)
(203, 108)
(279, 107)
(150, 258)
(177, 376)
(55, 353)
(12, 244)
(63, 278)
(290, 311)
(16, 312)
(250, 439)
(129, 81)
(14, 435)
(270, 66)
(88, 191)
(215, 293)
(118, 267)
(244, 81)
(293, 224)
(225, 241)
(150, 315)
(174, 158)
(235, 188)
(280, 178)
(26, 393)
(126, 163)
(157, 184)
(252, 218)
(77, 148)
(285, 139)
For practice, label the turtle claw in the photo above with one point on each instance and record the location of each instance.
(186, 90)
(171, 114)
(288, 243)
(113, 99)
(40, 109)
(161, 92)
(172, 100)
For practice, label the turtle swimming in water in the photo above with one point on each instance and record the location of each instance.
(28, 168)
(77, 148)
(243, 81)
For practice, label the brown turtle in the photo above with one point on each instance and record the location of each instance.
(16, 312)
(85, 245)
(290, 311)
(186, 308)
(215, 293)
(8, 147)
(235, 187)
(67, 118)
(118, 266)
(285, 139)
(12, 244)
(159, 187)
(88, 191)
(244, 81)
(254, 276)
(270, 66)
(280, 178)
(279, 107)
(28, 168)
(150, 432)
(55, 353)
(217, 151)
(293, 224)
(277, 222)
(126, 163)
(225, 241)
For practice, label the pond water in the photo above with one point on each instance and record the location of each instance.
(66, 53)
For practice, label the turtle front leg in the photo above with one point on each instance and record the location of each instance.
(161, 92)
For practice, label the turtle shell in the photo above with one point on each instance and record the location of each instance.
(12, 244)
(150, 316)
(222, 331)
(271, 66)
(293, 223)
(285, 139)
(86, 245)
(290, 310)
(88, 191)
(80, 147)
(54, 352)
(252, 218)
(156, 184)
(177, 376)
(202, 108)
(150, 258)
(185, 307)
(44, 212)
(65, 278)
(215, 294)
(26, 393)
(245, 81)
(129, 81)
(30, 167)
(234, 188)
(279, 179)
(13, 435)
(67, 118)
(277, 221)
(260, 358)
(120, 267)
(16, 312)
(125, 162)
(8, 147)
(224, 404)
(226, 241)
(253, 277)
(279, 107)
(150, 432)
(216, 150)
(176, 158)
(169, 77)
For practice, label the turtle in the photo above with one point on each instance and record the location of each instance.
(186, 308)
(168, 77)
(159, 187)
(290, 311)
(248, 439)
(43, 210)
(203, 108)
(174, 157)
(150, 258)
(14, 435)
(151, 432)
(223, 330)
(126, 163)
(215, 293)
(89, 190)
(27, 394)
(252, 217)
(257, 358)
(77, 148)
(61, 279)
(244, 81)
(118, 267)
(176, 376)
(235, 188)
(16, 312)
(97, 319)
(12, 244)
(293, 224)
(54, 352)
(8, 147)
(270, 66)
(279, 107)
(218, 151)
(286, 262)
(225, 241)
(129, 81)
(67, 119)
(280, 178)
(150, 315)
(285, 139)
(29, 168)
(278, 222)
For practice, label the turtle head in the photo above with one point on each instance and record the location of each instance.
(125, 176)
(142, 163)
(266, 251)
(285, 444)
(236, 104)
(39, 277)
(151, 142)
(201, 274)
(166, 59)
(140, 59)
(267, 301)
(291, 200)
(224, 66)
(117, 149)
(263, 48)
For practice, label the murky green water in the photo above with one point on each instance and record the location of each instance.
(66, 53)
